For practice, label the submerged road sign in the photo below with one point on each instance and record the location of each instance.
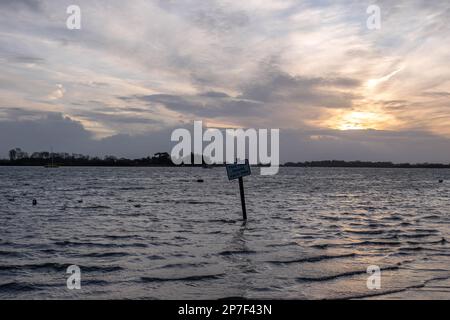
(238, 170)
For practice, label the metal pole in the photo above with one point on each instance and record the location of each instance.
(241, 189)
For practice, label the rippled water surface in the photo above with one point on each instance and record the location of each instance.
(156, 233)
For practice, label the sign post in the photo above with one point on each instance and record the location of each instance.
(238, 171)
(241, 189)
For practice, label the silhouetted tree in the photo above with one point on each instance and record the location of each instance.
(161, 158)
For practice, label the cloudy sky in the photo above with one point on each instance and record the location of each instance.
(137, 69)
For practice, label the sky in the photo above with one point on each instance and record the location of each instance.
(136, 70)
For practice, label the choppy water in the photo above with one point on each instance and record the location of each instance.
(156, 233)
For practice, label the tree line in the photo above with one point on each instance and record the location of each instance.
(18, 157)
(363, 164)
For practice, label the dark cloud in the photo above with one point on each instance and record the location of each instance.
(26, 59)
(11, 113)
(214, 94)
(52, 130)
(210, 106)
(280, 87)
(117, 118)
(259, 97)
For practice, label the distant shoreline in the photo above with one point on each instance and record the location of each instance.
(365, 164)
(18, 157)
(393, 166)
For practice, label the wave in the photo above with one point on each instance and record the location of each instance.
(320, 246)
(393, 291)
(57, 267)
(110, 268)
(433, 217)
(377, 243)
(18, 287)
(188, 278)
(369, 232)
(155, 257)
(313, 259)
(182, 265)
(421, 248)
(442, 241)
(417, 236)
(341, 275)
(94, 282)
(9, 254)
(94, 207)
(222, 221)
(188, 202)
(275, 245)
(105, 254)
(46, 266)
(131, 188)
(111, 236)
(233, 252)
(98, 244)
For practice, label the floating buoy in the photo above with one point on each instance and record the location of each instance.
(137, 205)
(200, 180)
(34, 202)
(80, 201)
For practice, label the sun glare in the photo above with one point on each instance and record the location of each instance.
(356, 120)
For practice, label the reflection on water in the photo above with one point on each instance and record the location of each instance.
(156, 233)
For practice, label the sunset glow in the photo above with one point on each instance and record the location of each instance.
(361, 120)
(295, 65)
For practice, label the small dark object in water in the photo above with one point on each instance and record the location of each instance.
(441, 181)
(137, 205)
(80, 201)
(200, 180)
(443, 241)
(34, 202)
